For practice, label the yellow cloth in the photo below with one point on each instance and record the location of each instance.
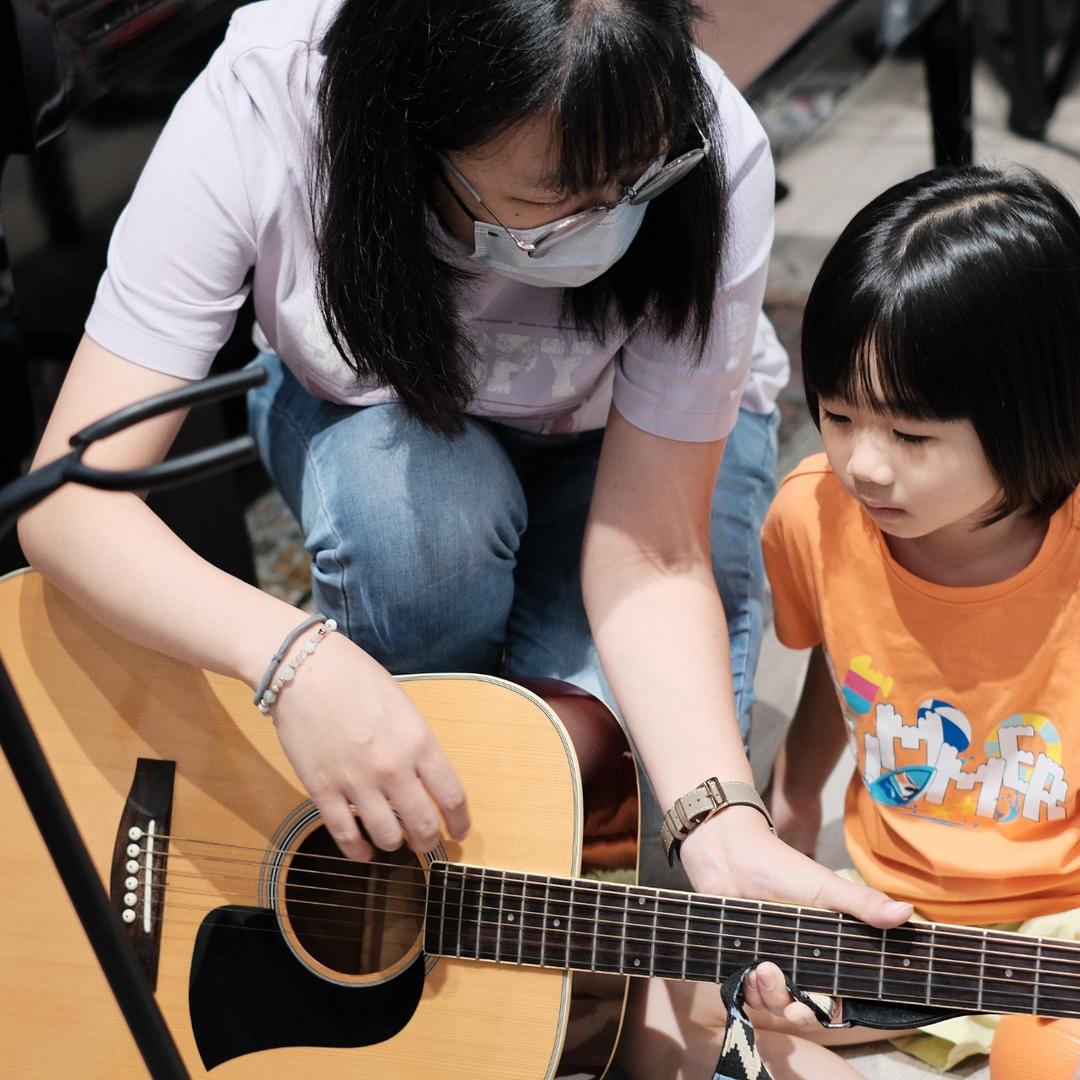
(949, 1042)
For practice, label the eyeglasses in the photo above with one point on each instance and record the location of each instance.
(646, 188)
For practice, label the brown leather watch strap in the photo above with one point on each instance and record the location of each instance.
(704, 802)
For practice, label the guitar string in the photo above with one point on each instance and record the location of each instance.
(675, 973)
(872, 971)
(835, 923)
(836, 953)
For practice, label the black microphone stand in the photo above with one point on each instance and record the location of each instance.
(99, 919)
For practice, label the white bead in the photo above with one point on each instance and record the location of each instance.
(264, 709)
(286, 673)
(269, 697)
(309, 648)
(331, 624)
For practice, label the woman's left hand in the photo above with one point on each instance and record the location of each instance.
(735, 854)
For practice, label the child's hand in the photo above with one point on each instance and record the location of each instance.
(797, 819)
(766, 988)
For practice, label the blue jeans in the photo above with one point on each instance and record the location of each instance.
(462, 555)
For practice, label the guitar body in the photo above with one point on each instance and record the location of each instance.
(245, 985)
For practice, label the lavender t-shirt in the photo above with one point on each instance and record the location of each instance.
(222, 208)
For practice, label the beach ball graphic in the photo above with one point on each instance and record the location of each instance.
(955, 729)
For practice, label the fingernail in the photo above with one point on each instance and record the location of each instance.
(765, 981)
(898, 908)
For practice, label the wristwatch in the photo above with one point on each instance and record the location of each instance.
(704, 802)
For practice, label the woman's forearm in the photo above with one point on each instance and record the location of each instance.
(114, 557)
(662, 637)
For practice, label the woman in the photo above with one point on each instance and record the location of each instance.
(507, 259)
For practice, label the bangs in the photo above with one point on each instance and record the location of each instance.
(887, 366)
(623, 95)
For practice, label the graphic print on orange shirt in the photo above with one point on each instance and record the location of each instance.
(929, 764)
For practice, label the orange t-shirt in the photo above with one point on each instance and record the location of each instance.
(958, 701)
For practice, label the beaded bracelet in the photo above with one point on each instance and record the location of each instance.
(275, 679)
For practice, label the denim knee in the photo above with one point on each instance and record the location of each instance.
(413, 535)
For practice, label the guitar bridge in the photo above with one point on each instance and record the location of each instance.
(137, 881)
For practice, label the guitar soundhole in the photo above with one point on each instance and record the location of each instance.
(353, 922)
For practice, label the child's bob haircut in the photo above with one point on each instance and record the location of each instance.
(956, 295)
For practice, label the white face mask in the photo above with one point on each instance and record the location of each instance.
(576, 261)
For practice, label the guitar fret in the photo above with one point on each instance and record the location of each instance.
(581, 932)
(686, 938)
(807, 953)
(436, 894)
(930, 965)
(545, 915)
(596, 928)
(704, 939)
(718, 978)
(881, 963)
(521, 922)
(795, 948)
(652, 940)
(1009, 987)
(836, 964)
(499, 917)
(982, 973)
(461, 912)
(480, 917)
(1038, 972)
(569, 925)
(560, 914)
(610, 945)
(638, 931)
(670, 936)
(625, 930)
(905, 964)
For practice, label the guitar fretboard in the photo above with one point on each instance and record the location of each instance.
(587, 925)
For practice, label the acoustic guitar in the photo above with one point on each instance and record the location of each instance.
(508, 955)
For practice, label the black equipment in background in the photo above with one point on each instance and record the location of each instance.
(85, 87)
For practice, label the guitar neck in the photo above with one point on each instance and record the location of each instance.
(587, 925)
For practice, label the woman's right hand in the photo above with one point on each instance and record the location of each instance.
(357, 741)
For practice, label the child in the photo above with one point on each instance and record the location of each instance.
(931, 559)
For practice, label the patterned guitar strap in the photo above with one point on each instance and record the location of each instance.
(739, 1057)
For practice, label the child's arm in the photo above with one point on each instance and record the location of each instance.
(814, 743)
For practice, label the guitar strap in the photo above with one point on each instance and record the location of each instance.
(739, 1057)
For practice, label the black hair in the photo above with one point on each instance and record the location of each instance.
(956, 295)
(407, 79)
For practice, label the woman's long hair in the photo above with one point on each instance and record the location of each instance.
(406, 79)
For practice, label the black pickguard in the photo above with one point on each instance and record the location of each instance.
(248, 992)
